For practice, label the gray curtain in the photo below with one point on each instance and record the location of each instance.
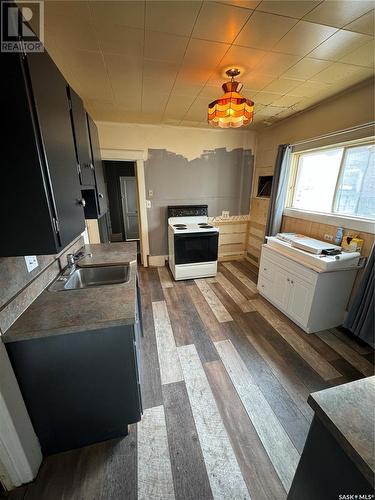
(279, 190)
(360, 319)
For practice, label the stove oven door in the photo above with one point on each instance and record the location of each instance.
(193, 248)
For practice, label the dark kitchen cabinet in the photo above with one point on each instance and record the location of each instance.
(96, 159)
(79, 388)
(41, 202)
(85, 165)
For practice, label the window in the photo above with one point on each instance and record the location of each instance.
(337, 180)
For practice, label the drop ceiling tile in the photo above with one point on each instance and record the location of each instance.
(275, 64)
(160, 70)
(310, 88)
(88, 72)
(178, 106)
(211, 92)
(364, 56)
(125, 13)
(291, 8)
(266, 98)
(190, 80)
(263, 31)
(244, 58)
(364, 24)
(70, 24)
(171, 17)
(303, 38)
(339, 72)
(219, 22)
(123, 68)
(306, 68)
(282, 85)
(154, 101)
(338, 13)
(198, 110)
(165, 47)
(271, 111)
(245, 4)
(119, 39)
(255, 81)
(287, 101)
(339, 44)
(204, 53)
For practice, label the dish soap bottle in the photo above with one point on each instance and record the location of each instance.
(339, 235)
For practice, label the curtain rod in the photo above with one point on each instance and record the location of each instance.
(332, 134)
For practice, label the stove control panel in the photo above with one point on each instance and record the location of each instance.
(187, 210)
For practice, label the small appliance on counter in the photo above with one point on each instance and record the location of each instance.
(192, 242)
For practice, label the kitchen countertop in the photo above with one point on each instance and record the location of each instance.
(348, 412)
(57, 313)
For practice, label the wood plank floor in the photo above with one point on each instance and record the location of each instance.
(225, 379)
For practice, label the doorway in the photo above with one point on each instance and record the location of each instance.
(129, 202)
(123, 200)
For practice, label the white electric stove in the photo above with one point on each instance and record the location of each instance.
(193, 242)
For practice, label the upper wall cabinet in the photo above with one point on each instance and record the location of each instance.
(85, 165)
(97, 161)
(41, 203)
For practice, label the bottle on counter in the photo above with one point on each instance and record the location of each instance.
(339, 235)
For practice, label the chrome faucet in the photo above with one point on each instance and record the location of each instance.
(72, 258)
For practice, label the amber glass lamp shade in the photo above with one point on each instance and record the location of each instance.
(231, 110)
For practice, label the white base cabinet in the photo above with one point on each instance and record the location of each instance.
(314, 300)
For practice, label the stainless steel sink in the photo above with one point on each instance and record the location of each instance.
(87, 277)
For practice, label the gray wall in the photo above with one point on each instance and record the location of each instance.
(219, 178)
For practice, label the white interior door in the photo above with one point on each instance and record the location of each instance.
(130, 207)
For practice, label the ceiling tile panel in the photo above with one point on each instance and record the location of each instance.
(282, 85)
(276, 64)
(364, 56)
(125, 13)
(198, 110)
(364, 24)
(266, 98)
(70, 24)
(339, 44)
(244, 58)
(245, 4)
(204, 53)
(165, 47)
(178, 106)
(172, 17)
(287, 101)
(291, 8)
(338, 13)
(263, 31)
(303, 38)
(306, 68)
(343, 73)
(117, 39)
(255, 81)
(311, 88)
(220, 22)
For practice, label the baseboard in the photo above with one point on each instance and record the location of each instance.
(157, 260)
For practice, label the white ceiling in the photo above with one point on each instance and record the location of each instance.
(164, 61)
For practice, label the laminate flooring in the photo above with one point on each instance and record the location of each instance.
(225, 381)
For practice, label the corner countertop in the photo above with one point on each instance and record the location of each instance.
(348, 412)
(63, 312)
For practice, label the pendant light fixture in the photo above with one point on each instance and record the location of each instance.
(231, 110)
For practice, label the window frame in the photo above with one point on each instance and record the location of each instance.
(349, 221)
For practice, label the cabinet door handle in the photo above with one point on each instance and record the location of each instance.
(91, 166)
(82, 202)
(288, 279)
(264, 269)
(292, 282)
(101, 195)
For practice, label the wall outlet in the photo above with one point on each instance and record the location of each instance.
(150, 193)
(225, 214)
(31, 262)
(328, 237)
(148, 203)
